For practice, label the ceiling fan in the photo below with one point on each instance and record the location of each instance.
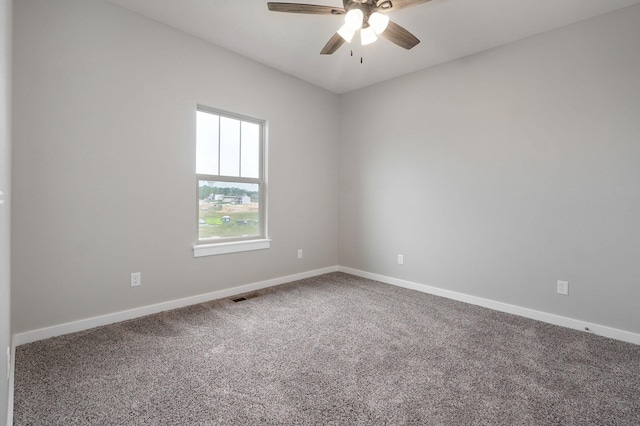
(367, 16)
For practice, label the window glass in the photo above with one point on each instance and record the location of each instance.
(228, 209)
(229, 147)
(207, 134)
(250, 150)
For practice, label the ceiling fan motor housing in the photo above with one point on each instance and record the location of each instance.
(366, 6)
(382, 4)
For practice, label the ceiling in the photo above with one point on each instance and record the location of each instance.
(291, 43)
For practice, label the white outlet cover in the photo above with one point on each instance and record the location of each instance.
(563, 288)
(136, 279)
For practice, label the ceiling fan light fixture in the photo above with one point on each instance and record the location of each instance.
(346, 32)
(378, 21)
(354, 19)
(367, 36)
(360, 15)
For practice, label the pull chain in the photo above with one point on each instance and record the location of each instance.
(361, 57)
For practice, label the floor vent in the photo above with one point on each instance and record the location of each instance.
(247, 297)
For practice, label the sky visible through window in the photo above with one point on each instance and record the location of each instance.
(227, 146)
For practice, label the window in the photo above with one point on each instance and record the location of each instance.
(231, 189)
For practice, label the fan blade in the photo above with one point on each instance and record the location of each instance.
(398, 35)
(312, 9)
(391, 5)
(332, 45)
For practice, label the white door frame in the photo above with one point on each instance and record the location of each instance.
(6, 406)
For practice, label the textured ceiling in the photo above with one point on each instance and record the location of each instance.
(448, 29)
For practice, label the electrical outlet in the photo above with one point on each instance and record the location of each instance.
(136, 279)
(400, 259)
(563, 288)
(300, 254)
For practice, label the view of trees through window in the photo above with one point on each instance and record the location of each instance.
(228, 209)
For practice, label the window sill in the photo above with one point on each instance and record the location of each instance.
(231, 247)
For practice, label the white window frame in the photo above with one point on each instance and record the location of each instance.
(217, 246)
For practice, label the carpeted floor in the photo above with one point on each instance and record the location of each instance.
(334, 349)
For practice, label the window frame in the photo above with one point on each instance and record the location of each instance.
(222, 245)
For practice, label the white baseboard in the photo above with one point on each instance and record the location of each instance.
(72, 327)
(85, 324)
(600, 330)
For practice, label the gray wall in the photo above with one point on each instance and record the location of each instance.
(104, 159)
(5, 187)
(498, 174)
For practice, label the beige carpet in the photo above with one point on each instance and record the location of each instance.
(334, 349)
